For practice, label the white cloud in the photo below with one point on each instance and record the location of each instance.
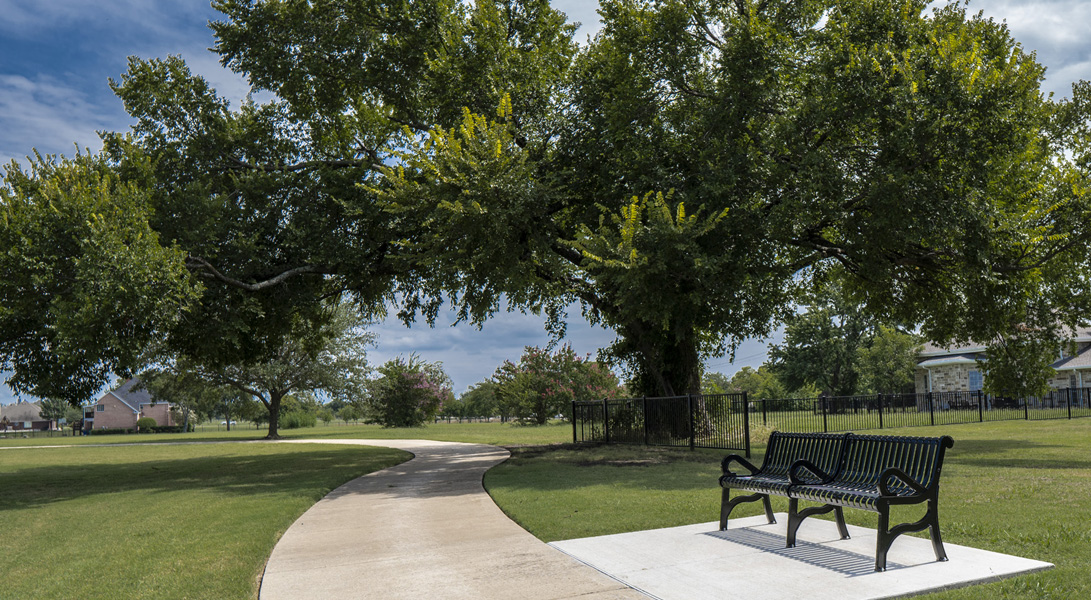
(470, 355)
(50, 114)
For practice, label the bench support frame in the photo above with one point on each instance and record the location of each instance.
(728, 504)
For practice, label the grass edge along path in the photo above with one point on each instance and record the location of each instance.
(1012, 487)
(160, 521)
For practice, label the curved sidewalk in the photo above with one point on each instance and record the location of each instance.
(423, 529)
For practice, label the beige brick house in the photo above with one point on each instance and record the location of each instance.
(120, 408)
(956, 368)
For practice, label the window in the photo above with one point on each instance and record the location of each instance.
(100, 407)
(975, 380)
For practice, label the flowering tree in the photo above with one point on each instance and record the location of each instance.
(409, 393)
(543, 385)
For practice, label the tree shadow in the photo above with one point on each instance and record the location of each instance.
(306, 473)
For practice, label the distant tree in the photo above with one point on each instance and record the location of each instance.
(326, 415)
(545, 384)
(822, 344)
(480, 399)
(888, 363)
(760, 384)
(350, 412)
(715, 383)
(409, 393)
(53, 409)
(328, 355)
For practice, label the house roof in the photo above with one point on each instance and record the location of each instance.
(1080, 334)
(21, 412)
(131, 397)
(1072, 363)
(957, 359)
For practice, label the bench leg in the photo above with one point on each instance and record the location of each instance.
(796, 516)
(843, 529)
(888, 534)
(727, 504)
(933, 531)
(793, 522)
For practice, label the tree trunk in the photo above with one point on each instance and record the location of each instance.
(274, 414)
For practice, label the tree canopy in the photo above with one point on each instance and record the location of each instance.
(681, 176)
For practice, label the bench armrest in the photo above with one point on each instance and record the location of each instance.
(725, 465)
(801, 465)
(896, 473)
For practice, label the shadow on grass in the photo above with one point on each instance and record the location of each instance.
(297, 472)
(568, 466)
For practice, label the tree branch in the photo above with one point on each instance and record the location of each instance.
(195, 262)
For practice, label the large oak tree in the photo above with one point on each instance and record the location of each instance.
(681, 176)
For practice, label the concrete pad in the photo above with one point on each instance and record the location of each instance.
(749, 560)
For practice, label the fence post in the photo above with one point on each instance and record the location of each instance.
(574, 422)
(1068, 401)
(981, 406)
(644, 408)
(931, 409)
(746, 420)
(1026, 409)
(764, 407)
(880, 411)
(605, 420)
(825, 425)
(692, 423)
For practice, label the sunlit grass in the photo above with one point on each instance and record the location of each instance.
(1021, 488)
(496, 433)
(159, 521)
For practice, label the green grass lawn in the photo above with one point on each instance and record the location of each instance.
(199, 520)
(159, 521)
(500, 434)
(1021, 488)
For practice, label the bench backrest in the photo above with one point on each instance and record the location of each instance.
(822, 449)
(867, 456)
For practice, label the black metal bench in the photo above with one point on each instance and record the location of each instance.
(823, 450)
(878, 472)
(869, 472)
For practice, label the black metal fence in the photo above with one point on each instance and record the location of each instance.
(696, 421)
(882, 411)
(724, 421)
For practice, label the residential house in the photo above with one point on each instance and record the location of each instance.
(120, 408)
(23, 416)
(956, 368)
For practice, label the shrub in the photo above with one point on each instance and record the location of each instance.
(297, 419)
(410, 393)
(111, 431)
(543, 385)
(145, 424)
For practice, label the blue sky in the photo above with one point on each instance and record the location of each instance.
(57, 55)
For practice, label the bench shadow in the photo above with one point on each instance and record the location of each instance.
(850, 564)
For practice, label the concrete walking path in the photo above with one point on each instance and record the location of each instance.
(423, 529)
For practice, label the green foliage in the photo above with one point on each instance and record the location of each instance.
(543, 384)
(888, 365)
(297, 418)
(681, 176)
(711, 157)
(822, 345)
(409, 393)
(760, 384)
(86, 283)
(326, 415)
(145, 424)
(54, 408)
